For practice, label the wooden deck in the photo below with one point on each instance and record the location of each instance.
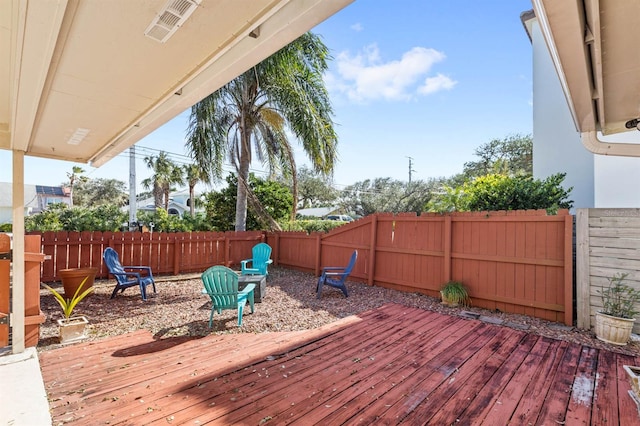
(391, 365)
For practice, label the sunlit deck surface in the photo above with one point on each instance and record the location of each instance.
(391, 365)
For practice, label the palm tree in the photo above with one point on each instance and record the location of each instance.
(247, 118)
(194, 174)
(75, 177)
(165, 174)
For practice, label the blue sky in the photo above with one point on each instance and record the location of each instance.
(426, 79)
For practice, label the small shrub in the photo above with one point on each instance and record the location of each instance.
(619, 299)
(455, 293)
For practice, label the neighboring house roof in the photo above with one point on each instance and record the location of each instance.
(30, 195)
(51, 190)
(317, 211)
(177, 201)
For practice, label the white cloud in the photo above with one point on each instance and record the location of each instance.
(366, 76)
(435, 84)
(357, 27)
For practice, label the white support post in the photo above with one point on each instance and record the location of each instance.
(18, 281)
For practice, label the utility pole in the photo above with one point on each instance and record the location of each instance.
(132, 188)
(410, 168)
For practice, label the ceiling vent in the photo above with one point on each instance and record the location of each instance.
(170, 18)
(78, 136)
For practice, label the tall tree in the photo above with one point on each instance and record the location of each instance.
(75, 177)
(165, 174)
(275, 198)
(195, 174)
(387, 195)
(314, 189)
(96, 192)
(512, 155)
(247, 118)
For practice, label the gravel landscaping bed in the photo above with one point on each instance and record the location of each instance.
(290, 304)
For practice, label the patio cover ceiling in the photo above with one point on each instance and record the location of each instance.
(80, 80)
(593, 46)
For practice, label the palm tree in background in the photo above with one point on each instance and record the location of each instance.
(247, 119)
(195, 174)
(165, 174)
(75, 177)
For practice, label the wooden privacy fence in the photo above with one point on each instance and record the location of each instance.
(33, 317)
(166, 253)
(608, 243)
(519, 261)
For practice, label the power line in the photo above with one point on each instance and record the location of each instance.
(143, 152)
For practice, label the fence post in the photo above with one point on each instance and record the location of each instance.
(177, 251)
(372, 248)
(447, 248)
(276, 249)
(33, 317)
(568, 269)
(583, 279)
(318, 253)
(227, 249)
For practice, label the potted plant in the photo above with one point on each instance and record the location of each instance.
(454, 293)
(71, 328)
(615, 320)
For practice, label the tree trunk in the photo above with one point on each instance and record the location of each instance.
(243, 176)
(192, 202)
(157, 196)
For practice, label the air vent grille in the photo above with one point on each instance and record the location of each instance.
(170, 18)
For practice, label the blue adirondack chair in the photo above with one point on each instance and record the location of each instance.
(335, 276)
(128, 276)
(261, 254)
(221, 284)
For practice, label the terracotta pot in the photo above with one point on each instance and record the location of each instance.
(72, 278)
(448, 302)
(614, 330)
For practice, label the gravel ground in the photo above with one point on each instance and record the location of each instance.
(289, 304)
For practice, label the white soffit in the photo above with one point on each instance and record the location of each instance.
(592, 44)
(88, 65)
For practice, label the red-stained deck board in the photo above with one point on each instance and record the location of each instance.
(486, 397)
(554, 408)
(328, 371)
(308, 364)
(508, 398)
(605, 400)
(415, 389)
(579, 409)
(365, 381)
(395, 386)
(466, 381)
(391, 365)
(532, 400)
(344, 379)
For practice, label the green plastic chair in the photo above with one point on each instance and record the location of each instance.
(221, 284)
(261, 254)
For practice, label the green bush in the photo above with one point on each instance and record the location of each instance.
(6, 227)
(501, 192)
(310, 226)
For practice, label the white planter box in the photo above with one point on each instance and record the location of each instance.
(72, 329)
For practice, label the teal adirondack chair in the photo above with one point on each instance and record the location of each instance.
(261, 254)
(221, 284)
